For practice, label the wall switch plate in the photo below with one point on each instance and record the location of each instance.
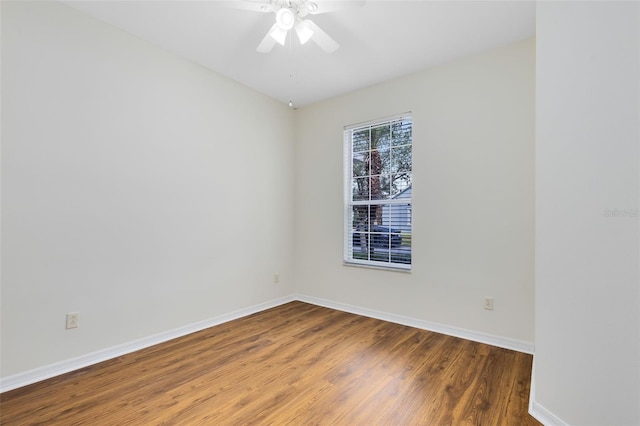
(276, 278)
(488, 303)
(72, 320)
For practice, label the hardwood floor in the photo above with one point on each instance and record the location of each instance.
(296, 364)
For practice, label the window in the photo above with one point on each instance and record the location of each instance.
(377, 191)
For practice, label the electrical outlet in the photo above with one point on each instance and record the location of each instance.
(72, 320)
(488, 303)
(276, 278)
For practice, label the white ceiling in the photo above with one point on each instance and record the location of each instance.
(378, 41)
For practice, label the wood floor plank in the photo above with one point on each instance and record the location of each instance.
(296, 364)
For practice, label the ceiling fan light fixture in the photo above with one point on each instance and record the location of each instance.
(304, 31)
(290, 15)
(285, 19)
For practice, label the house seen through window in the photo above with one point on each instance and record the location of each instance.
(378, 193)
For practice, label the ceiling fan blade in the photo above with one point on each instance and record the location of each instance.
(267, 42)
(326, 6)
(304, 31)
(321, 38)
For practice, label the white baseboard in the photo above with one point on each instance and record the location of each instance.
(536, 410)
(490, 339)
(66, 366)
(545, 416)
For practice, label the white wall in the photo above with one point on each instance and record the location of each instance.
(138, 189)
(587, 318)
(473, 196)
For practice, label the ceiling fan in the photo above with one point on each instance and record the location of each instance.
(290, 15)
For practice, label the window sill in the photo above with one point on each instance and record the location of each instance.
(404, 269)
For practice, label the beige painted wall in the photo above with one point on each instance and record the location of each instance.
(473, 195)
(136, 188)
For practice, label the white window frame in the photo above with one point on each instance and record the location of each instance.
(349, 202)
